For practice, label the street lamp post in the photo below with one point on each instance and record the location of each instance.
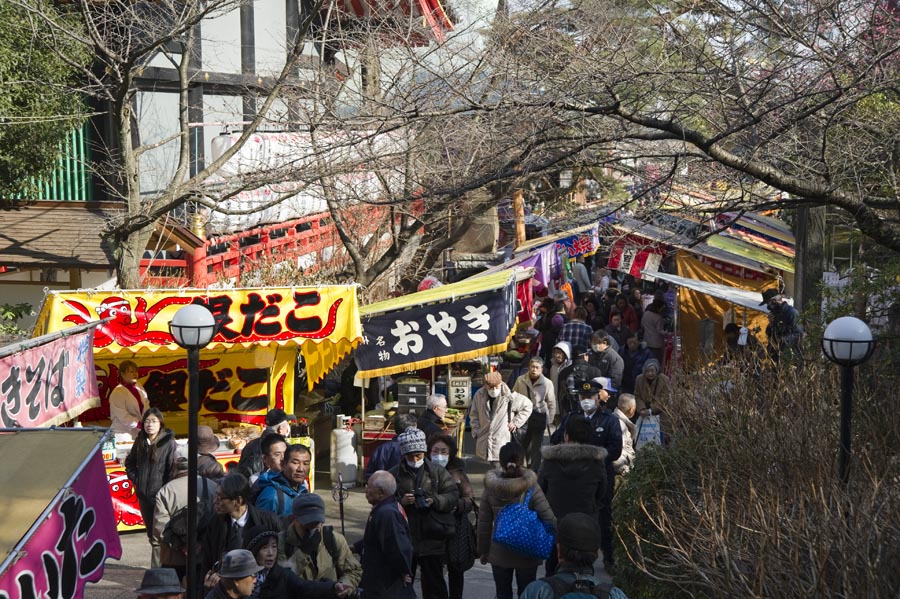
(847, 342)
(192, 327)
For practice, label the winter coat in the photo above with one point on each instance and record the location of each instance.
(172, 497)
(556, 369)
(150, 466)
(573, 477)
(653, 393)
(343, 567)
(387, 553)
(498, 493)
(209, 467)
(281, 583)
(276, 494)
(610, 364)
(653, 325)
(437, 484)
(489, 427)
(430, 423)
(251, 457)
(540, 392)
(634, 365)
(215, 538)
(605, 433)
(386, 456)
(568, 379)
(466, 502)
(623, 464)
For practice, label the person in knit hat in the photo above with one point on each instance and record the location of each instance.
(428, 494)
(496, 413)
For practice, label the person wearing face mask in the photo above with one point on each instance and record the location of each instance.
(443, 452)
(424, 487)
(605, 433)
(495, 414)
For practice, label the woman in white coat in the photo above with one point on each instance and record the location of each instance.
(496, 412)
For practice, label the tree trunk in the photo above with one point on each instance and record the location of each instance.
(810, 259)
(128, 253)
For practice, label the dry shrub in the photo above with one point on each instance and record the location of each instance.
(746, 503)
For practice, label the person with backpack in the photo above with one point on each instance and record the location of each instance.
(577, 543)
(315, 551)
(251, 462)
(278, 489)
(170, 516)
(508, 484)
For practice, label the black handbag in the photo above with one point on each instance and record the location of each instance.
(462, 547)
(520, 434)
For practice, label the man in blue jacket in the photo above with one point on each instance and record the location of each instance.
(278, 489)
(387, 455)
(387, 550)
(605, 433)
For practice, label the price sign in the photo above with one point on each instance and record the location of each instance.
(460, 391)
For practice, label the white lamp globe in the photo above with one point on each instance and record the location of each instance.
(847, 341)
(193, 326)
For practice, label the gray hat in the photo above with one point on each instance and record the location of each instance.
(308, 508)
(160, 581)
(238, 563)
(411, 441)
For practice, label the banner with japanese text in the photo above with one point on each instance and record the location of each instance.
(49, 384)
(70, 546)
(583, 243)
(437, 333)
(323, 321)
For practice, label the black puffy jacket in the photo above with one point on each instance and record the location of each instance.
(150, 466)
(573, 477)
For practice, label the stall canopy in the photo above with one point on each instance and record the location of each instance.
(252, 358)
(461, 321)
(524, 290)
(58, 524)
(734, 295)
(580, 241)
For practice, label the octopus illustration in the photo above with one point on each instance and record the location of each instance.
(125, 503)
(128, 327)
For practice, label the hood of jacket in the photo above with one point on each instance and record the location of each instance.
(566, 347)
(573, 452)
(275, 479)
(509, 488)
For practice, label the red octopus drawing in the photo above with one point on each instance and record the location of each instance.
(125, 503)
(128, 327)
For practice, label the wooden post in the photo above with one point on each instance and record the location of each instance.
(519, 216)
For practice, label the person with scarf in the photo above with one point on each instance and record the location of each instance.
(127, 403)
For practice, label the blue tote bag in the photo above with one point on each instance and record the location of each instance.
(518, 527)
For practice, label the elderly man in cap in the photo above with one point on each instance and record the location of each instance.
(605, 433)
(317, 552)
(428, 494)
(577, 542)
(160, 583)
(237, 576)
(277, 421)
(784, 330)
(496, 413)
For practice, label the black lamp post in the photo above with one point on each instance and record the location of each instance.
(847, 342)
(193, 327)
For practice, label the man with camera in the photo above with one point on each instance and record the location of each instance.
(428, 494)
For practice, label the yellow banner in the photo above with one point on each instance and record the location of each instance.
(324, 321)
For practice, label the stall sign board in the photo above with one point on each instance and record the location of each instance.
(70, 546)
(49, 384)
(437, 333)
(460, 390)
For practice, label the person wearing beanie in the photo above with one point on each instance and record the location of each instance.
(496, 412)
(506, 484)
(315, 551)
(577, 543)
(428, 494)
(652, 389)
(277, 582)
(387, 455)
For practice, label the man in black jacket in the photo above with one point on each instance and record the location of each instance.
(432, 421)
(387, 550)
(573, 475)
(579, 370)
(234, 512)
(251, 462)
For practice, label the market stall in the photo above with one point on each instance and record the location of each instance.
(265, 336)
(58, 524)
(442, 326)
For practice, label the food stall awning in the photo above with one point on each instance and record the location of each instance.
(58, 522)
(740, 297)
(580, 241)
(460, 321)
(751, 252)
(322, 321)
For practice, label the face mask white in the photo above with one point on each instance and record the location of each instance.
(441, 460)
(597, 348)
(495, 392)
(588, 405)
(415, 463)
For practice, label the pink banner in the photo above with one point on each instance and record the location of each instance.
(71, 545)
(50, 384)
